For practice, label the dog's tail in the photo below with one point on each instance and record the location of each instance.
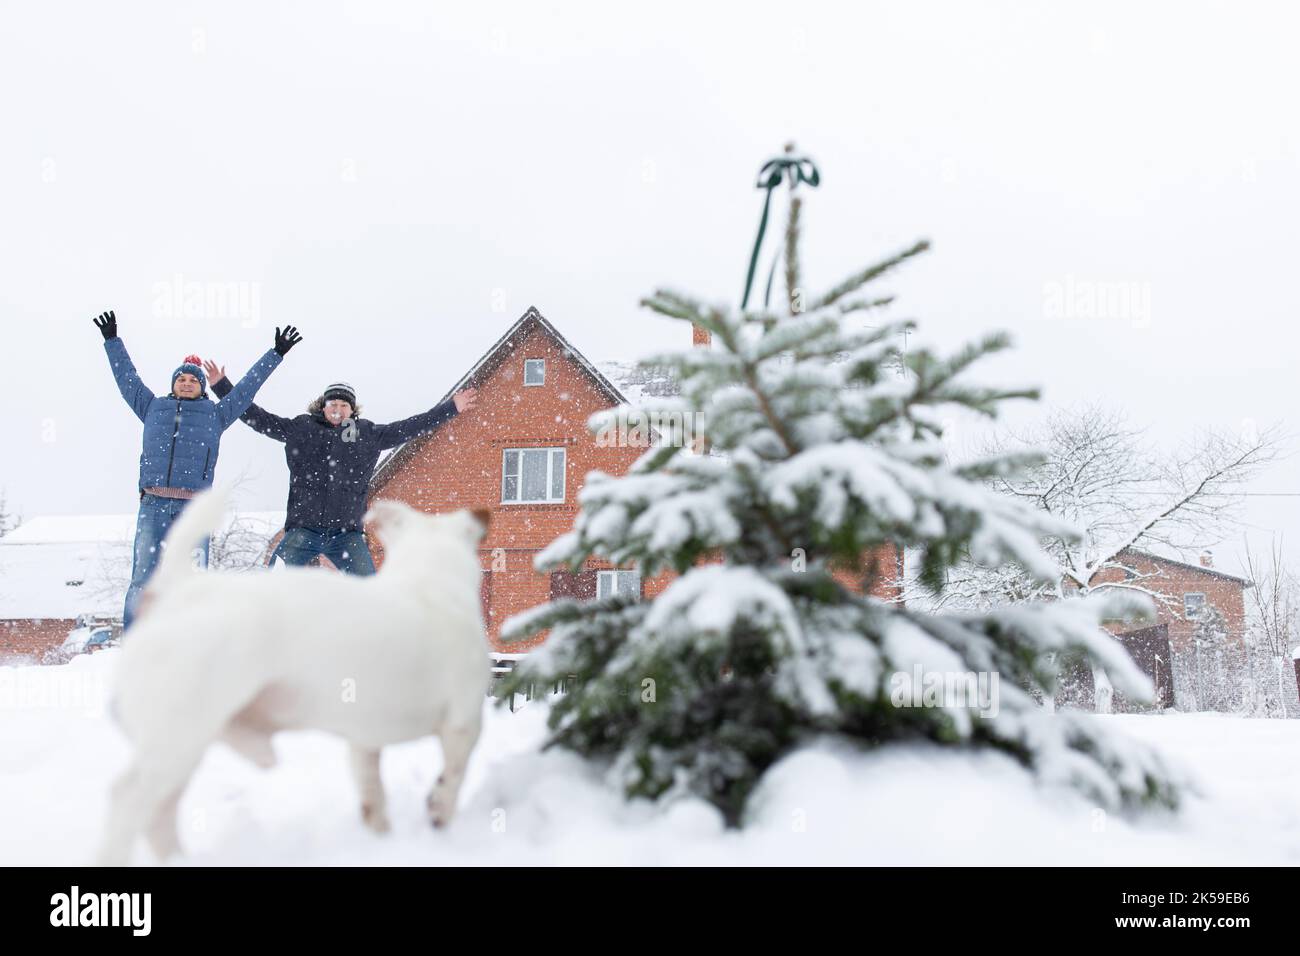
(183, 543)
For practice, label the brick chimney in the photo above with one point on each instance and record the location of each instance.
(701, 338)
(1207, 559)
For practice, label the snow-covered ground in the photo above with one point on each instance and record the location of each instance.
(59, 752)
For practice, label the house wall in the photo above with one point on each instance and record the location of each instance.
(32, 638)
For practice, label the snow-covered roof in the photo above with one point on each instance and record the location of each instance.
(104, 529)
(1198, 568)
(65, 566)
(638, 382)
(63, 579)
(72, 529)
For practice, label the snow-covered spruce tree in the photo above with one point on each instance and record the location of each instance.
(822, 447)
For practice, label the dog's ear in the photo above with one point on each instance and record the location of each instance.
(385, 515)
(483, 516)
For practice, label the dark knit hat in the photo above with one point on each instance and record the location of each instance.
(343, 391)
(194, 365)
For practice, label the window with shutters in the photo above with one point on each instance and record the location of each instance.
(532, 476)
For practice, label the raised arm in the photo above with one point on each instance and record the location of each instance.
(241, 396)
(395, 433)
(128, 380)
(255, 417)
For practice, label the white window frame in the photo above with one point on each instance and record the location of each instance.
(529, 361)
(556, 457)
(608, 581)
(1204, 604)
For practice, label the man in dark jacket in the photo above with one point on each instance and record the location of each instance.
(182, 435)
(332, 453)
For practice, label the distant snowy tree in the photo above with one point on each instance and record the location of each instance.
(1272, 630)
(1213, 661)
(1104, 477)
(8, 518)
(818, 452)
(241, 544)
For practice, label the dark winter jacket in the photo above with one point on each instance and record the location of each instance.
(330, 466)
(183, 435)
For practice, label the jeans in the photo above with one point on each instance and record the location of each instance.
(346, 549)
(151, 525)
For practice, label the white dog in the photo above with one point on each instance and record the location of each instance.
(237, 657)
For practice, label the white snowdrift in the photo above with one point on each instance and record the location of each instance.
(59, 752)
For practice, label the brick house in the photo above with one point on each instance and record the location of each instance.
(58, 573)
(1187, 674)
(1188, 590)
(523, 453)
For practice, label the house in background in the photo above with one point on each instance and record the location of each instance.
(523, 453)
(57, 573)
(1196, 601)
(1189, 592)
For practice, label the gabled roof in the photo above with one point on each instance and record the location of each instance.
(1199, 568)
(527, 323)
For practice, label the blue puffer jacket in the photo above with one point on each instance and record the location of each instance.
(330, 466)
(182, 435)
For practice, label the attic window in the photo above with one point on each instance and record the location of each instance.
(1193, 606)
(534, 371)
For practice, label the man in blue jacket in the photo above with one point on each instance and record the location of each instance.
(332, 453)
(182, 435)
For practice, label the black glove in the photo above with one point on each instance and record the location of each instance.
(287, 339)
(107, 324)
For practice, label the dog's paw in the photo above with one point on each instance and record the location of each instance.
(439, 810)
(375, 817)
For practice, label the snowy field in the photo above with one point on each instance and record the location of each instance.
(59, 752)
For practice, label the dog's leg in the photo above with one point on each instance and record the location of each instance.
(139, 797)
(163, 838)
(249, 742)
(124, 820)
(365, 768)
(457, 744)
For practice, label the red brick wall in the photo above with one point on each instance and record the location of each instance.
(32, 637)
(1174, 580)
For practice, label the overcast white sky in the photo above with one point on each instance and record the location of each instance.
(401, 180)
